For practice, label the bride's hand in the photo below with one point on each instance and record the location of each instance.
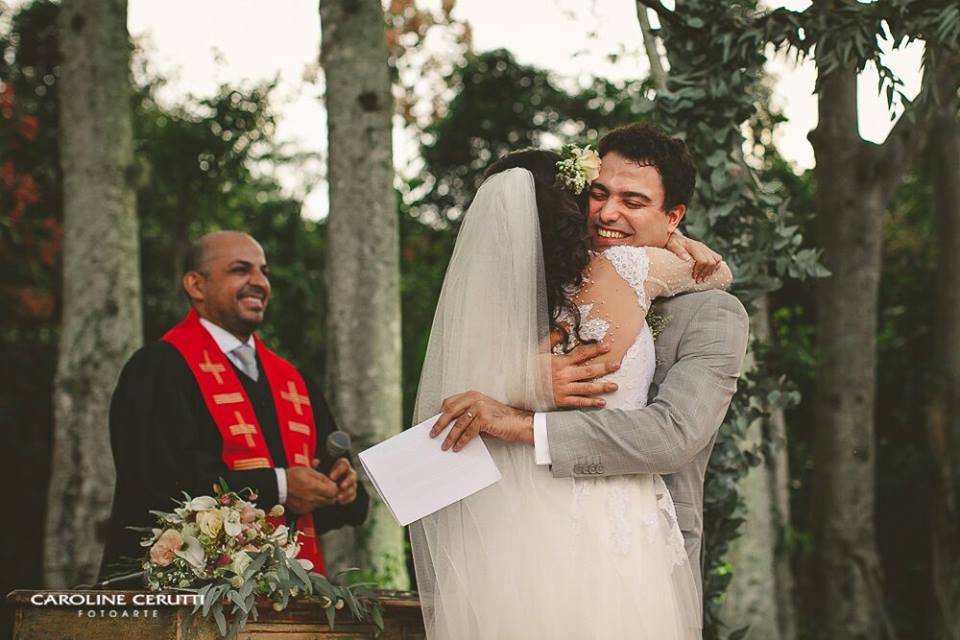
(705, 260)
(473, 413)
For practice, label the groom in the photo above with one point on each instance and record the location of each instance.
(646, 180)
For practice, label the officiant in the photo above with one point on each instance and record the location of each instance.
(210, 400)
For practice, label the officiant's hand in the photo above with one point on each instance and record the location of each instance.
(572, 375)
(308, 489)
(345, 476)
(473, 413)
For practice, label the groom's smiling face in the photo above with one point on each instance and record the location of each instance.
(626, 205)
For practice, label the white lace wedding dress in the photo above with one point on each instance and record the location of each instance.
(538, 557)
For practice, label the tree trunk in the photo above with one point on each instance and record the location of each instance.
(363, 276)
(778, 468)
(101, 322)
(855, 181)
(657, 73)
(943, 423)
(760, 593)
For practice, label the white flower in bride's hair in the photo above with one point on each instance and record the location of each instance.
(579, 167)
(590, 162)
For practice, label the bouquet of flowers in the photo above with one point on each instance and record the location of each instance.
(224, 548)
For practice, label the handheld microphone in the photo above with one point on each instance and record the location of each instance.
(338, 446)
(139, 575)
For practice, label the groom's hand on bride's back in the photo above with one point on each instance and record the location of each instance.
(573, 375)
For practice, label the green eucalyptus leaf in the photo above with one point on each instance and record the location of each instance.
(301, 574)
(220, 619)
(331, 613)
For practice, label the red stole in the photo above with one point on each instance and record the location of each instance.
(244, 446)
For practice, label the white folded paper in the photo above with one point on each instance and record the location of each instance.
(415, 478)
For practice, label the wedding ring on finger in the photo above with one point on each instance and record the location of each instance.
(469, 415)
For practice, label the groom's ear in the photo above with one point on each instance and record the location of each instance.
(675, 215)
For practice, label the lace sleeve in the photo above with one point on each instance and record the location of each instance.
(612, 301)
(668, 275)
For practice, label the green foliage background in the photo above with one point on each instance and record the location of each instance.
(198, 162)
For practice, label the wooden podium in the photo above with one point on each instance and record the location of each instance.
(300, 621)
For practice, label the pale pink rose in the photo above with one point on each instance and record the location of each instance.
(164, 550)
(248, 514)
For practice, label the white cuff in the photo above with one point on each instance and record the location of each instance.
(541, 448)
(281, 485)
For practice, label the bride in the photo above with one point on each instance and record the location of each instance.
(535, 556)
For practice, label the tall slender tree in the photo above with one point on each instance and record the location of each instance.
(943, 422)
(101, 323)
(363, 275)
(855, 183)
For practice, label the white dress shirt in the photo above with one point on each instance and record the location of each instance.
(541, 447)
(227, 343)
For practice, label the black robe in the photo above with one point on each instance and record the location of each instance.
(165, 441)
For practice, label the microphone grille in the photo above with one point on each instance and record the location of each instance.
(338, 444)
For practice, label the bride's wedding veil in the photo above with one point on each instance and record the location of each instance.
(490, 330)
(489, 334)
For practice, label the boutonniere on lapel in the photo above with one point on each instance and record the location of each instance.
(657, 323)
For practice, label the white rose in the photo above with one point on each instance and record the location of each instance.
(589, 162)
(277, 511)
(210, 523)
(203, 503)
(240, 563)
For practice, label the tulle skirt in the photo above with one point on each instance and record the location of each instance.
(535, 556)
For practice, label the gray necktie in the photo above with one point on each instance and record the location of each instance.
(248, 361)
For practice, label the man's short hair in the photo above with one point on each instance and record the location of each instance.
(647, 145)
(193, 261)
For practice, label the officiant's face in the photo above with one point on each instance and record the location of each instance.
(626, 205)
(234, 286)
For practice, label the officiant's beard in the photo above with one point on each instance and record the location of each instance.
(249, 312)
(242, 315)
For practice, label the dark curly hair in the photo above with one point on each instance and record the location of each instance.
(649, 146)
(563, 231)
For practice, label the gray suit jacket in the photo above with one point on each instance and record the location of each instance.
(699, 357)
